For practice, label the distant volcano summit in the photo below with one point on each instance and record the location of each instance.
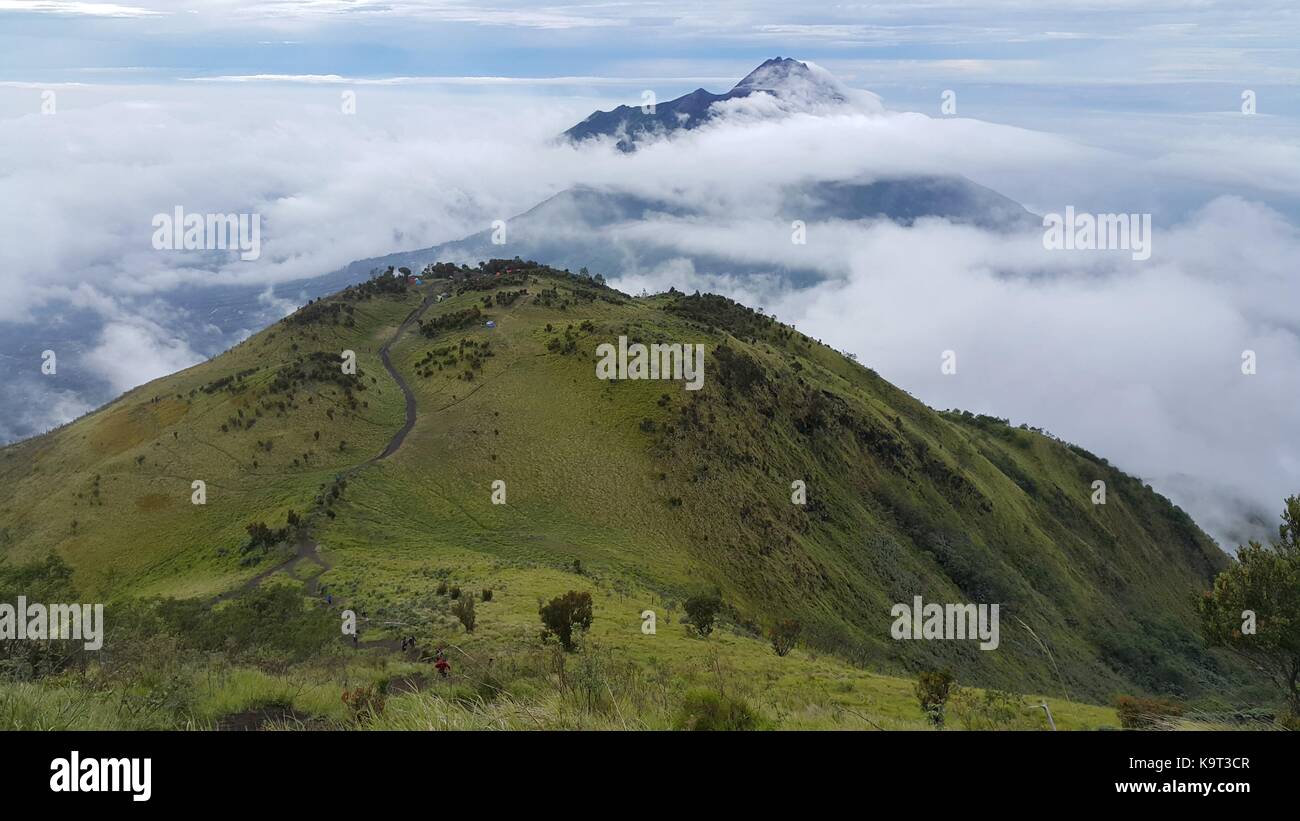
(787, 78)
(781, 85)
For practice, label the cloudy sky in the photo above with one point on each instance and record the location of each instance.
(1043, 41)
(113, 113)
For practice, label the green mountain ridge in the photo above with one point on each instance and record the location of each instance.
(642, 484)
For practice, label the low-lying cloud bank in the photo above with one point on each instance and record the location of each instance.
(1139, 362)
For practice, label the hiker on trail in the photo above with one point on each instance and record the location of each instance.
(443, 667)
(329, 599)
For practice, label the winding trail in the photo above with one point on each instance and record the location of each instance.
(307, 549)
(400, 436)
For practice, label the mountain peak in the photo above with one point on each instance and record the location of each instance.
(777, 86)
(772, 72)
(793, 81)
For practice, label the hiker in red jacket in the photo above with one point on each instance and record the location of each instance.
(443, 667)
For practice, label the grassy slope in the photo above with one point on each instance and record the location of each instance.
(903, 500)
(124, 472)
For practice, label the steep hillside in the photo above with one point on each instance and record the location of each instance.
(263, 426)
(643, 487)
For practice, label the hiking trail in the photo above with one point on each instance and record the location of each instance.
(307, 549)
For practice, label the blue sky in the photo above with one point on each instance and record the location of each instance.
(1042, 41)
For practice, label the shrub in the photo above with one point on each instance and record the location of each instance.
(702, 610)
(736, 369)
(487, 594)
(707, 710)
(1136, 713)
(463, 609)
(993, 710)
(452, 321)
(441, 590)
(269, 624)
(588, 682)
(455, 592)
(365, 702)
(784, 635)
(47, 580)
(563, 613)
(932, 690)
(261, 537)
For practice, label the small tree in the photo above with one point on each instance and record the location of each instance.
(702, 609)
(932, 690)
(564, 613)
(1254, 608)
(463, 609)
(784, 635)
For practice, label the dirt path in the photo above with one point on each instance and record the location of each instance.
(396, 441)
(307, 548)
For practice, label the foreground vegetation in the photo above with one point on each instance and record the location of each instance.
(267, 659)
